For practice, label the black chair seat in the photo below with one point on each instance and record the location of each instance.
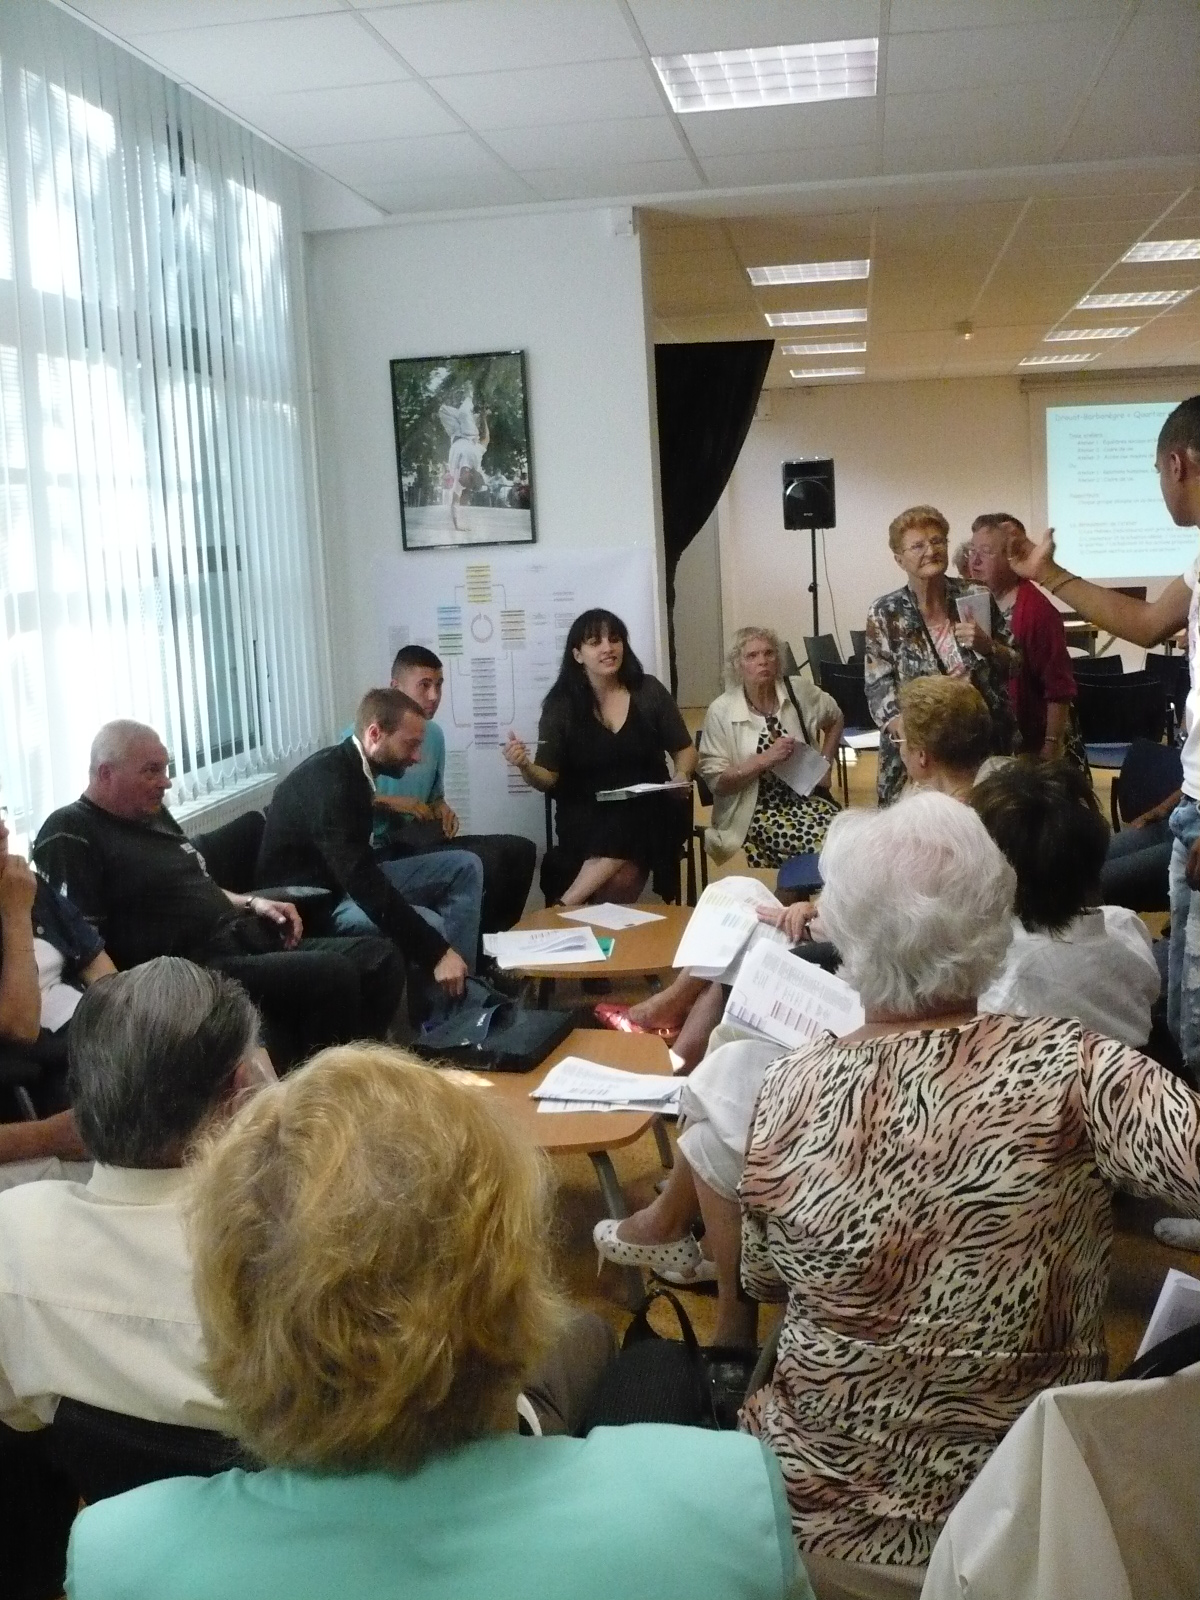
(1122, 709)
(105, 1453)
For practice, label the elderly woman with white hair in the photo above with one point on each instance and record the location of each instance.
(931, 1194)
(760, 721)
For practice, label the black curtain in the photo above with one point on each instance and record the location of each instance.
(706, 399)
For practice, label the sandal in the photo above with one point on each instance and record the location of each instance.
(610, 1015)
(680, 1256)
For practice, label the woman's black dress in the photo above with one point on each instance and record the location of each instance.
(588, 757)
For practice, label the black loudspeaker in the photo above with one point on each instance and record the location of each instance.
(808, 497)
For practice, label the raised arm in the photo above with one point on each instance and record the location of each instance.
(1144, 622)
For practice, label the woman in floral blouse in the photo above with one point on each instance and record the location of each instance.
(915, 631)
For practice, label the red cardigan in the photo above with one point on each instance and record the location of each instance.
(1045, 674)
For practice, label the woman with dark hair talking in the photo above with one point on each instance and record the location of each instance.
(606, 724)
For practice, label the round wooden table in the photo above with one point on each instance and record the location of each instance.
(636, 952)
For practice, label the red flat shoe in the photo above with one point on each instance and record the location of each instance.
(616, 1017)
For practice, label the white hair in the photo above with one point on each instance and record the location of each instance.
(918, 900)
(114, 741)
(734, 676)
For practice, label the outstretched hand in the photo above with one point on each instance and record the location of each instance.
(514, 752)
(1029, 560)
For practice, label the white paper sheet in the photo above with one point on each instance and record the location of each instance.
(587, 1085)
(631, 789)
(790, 1000)
(803, 770)
(1177, 1308)
(864, 741)
(975, 606)
(722, 925)
(614, 917)
(542, 947)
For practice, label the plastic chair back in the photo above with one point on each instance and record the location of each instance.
(1121, 710)
(845, 683)
(822, 651)
(1106, 667)
(858, 644)
(1149, 773)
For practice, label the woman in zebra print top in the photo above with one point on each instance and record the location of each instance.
(932, 1194)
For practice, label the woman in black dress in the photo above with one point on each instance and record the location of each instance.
(606, 724)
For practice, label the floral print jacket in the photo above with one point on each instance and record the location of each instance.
(899, 647)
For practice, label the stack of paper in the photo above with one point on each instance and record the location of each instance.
(608, 915)
(1177, 1308)
(790, 1000)
(680, 785)
(724, 925)
(542, 947)
(864, 741)
(579, 1085)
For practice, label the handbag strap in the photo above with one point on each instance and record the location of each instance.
(791, 694)
(640, 1327)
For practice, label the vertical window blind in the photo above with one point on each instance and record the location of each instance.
(158, 553)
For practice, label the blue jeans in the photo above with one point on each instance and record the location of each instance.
(445, 887)
(1183, 975)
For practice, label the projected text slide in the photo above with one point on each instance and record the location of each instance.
(1102, 493)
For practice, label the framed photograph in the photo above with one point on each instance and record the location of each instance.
(462, 450)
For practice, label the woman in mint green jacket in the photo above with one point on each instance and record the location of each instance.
(371, 1274)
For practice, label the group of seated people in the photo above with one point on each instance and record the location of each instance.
(348, 1268)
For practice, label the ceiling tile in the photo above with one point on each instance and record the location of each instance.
(1147, 101)
(348, 115)
(613, 182)
(444, 158)
(931, 15)
(268, 57)
(541, 95)
(582, 144)
(673, 27)
(971, 128)
(413, 193)
(504, 35)
(129, 17)
(986, 58)
(794, 166)
(735, 133)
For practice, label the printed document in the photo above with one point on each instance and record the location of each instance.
(790, 1000)
(542, 947)
(576, 1084)
(723, 924)
(674, 785)
(803, 770)
(608, 915)
(1177, 1308)
(975, 606)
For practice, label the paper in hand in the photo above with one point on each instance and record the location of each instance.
(975, 606)
(803, 770)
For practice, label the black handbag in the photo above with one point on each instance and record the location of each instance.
(488, 1030)
(652, 1379)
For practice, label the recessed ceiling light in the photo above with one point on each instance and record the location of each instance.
(813, 319)
(1164, 250)
(828, 372)
(1088, 333)
(780, 75)
(809, 272)
(830, 347)
(1148, 297)
(1076, 360)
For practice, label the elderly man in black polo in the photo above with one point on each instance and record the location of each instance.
(319, 831)
(124, 861)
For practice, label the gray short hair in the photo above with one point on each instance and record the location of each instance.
(152, 1052)
(918, 900)
(114, 741)
(733, 661)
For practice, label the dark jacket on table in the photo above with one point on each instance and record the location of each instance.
(319, 831)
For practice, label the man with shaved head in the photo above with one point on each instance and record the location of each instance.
(125, 862)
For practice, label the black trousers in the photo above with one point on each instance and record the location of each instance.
(326, 991)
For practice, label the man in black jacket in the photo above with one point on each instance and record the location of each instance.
(125, 862)
(319, 831)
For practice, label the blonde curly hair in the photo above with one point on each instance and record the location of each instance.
(733, 661)
(371, 1270)
(915, 517)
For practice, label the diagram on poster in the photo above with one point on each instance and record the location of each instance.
(499, 621)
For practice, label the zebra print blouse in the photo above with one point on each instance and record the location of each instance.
(937, 1206)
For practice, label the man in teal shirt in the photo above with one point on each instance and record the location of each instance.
(413, 816)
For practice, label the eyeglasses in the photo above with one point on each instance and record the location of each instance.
(926, 547)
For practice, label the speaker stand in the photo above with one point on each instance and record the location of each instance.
(812, 588)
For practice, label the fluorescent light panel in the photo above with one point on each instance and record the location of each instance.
(814, 319)
(809, 272)
(1060, 334)
(1164, 250)
(828, 372)
(1075, 360)
(779, 75)
(829, 347)
(1148, 297)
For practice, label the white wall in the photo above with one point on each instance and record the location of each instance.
(566, 289)
(961, 445)
(699, 656)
